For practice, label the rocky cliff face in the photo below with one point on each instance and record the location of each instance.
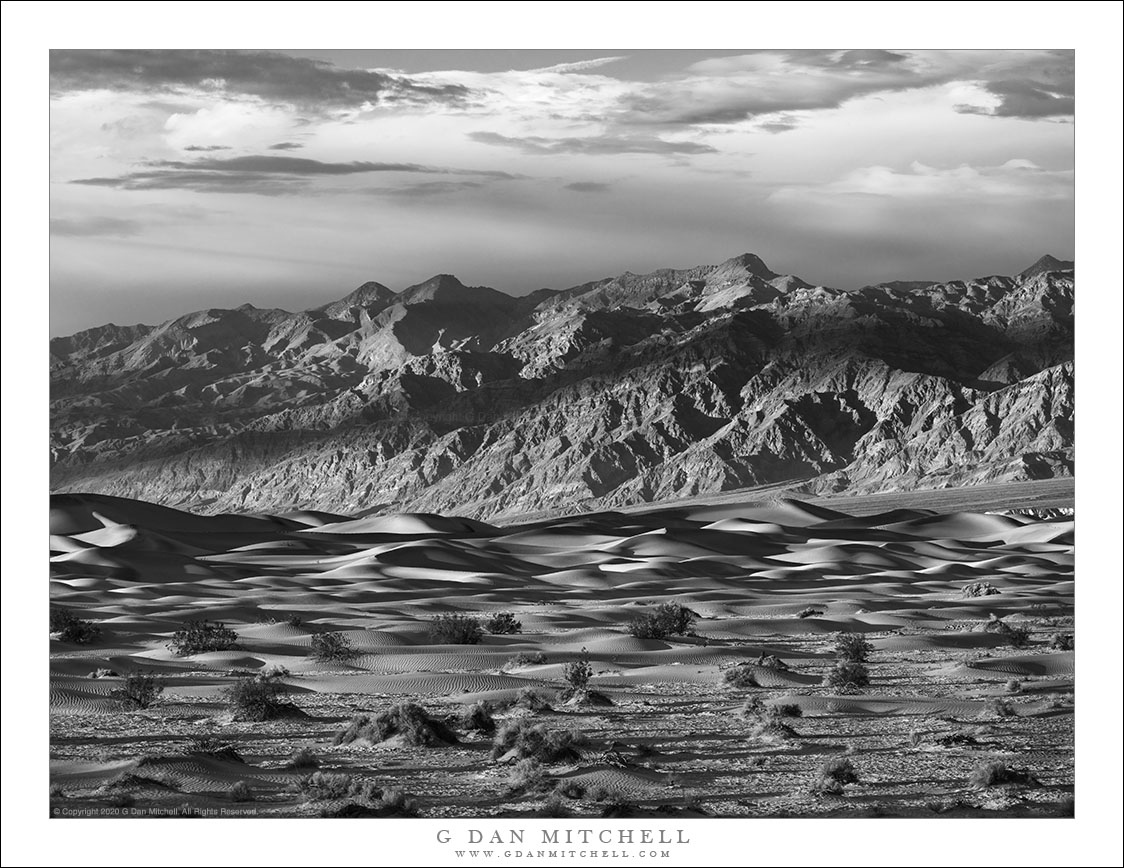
(456, 399)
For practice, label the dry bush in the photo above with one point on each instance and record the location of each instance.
(455, 629)
(406, 720)
(979, 589)
(477, 718)
(668, 619)
(847, 676)
(258, 699)
(139, 690)
(852, 647)
(996, 773)
(331, 647)
(525, 658)
(503, 624)
(71, 628)
(522, 739)
(833, 776)
(740, 677)
(200, 637)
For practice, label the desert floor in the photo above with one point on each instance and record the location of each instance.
(948, 689)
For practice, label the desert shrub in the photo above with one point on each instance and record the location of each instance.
(477, 718)
(833, 776)
(294, 620)
(303, 757)
(395, 803)
(199, 637)
(995, 773)
(852, 647)
(102, 672)
(1018, 637)
(57, 792)
(527, 776)
(766, 722)
(121, 800)
(570, 789)
(331, 647)
(71, 628)
(577, 673)
(213, 746)
(406, 720)
(503, 624)
(809, 612)
(740, 677)
(771, 661)
(754, 707)
(554, 807)
(257, 698)
(847, 675)
(138, 690)
(979, 589)
(241, 792)
(531, 699)
(322, 786)
(525, 740)
(524, 658)
(1014, 686)
(1061, 641)
(999, 708)
(668, 619)
(455, 629)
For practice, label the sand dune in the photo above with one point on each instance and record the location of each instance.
(771, 586)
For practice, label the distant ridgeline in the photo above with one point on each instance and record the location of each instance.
(455, 399)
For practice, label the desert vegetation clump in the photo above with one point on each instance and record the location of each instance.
(258, 698)
(847, 676)
(241, 792)
(740, 677)
(522, 739)
(503, 624)
(200, 637)
(477, 718)
(995, 773)
(809, 612)
(213, 746)
(138, 690)
(331, 647)
(71, 628)
(1061, 641)
(576, 674)
(767, 722)
(833, 776)
(531, 699)
(527, 776)
(525, 658)
(406, 721)
(771, 661)
(554, 807)
(303, 757)
(455, 629)
(979, 589)
(852, 647)
(667, 619)
(331, 786)
(1017, 636)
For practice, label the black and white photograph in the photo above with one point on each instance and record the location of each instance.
(564, 451)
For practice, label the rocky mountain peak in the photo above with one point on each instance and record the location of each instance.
(1047, 263)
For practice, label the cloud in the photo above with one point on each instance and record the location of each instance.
(579, 65)
(87, 227)
(730, 90)
(269, 76)
(1026, 99)
(285, 146)
(588, 187)
(425, 190)
(1013, 179)
(605, 144)
(207, 148)
(262, 174)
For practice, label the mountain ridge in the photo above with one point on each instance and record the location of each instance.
(445, 397)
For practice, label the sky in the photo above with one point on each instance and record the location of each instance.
(183, 180)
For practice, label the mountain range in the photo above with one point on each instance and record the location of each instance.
(461, 399)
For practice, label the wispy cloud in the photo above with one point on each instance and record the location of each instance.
(285, 146)
(1016, 178)
(207, 148)
(579, 65)
(263, 174)
(606, 144)
(588, 187)
(88, 227)
(269, 76)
